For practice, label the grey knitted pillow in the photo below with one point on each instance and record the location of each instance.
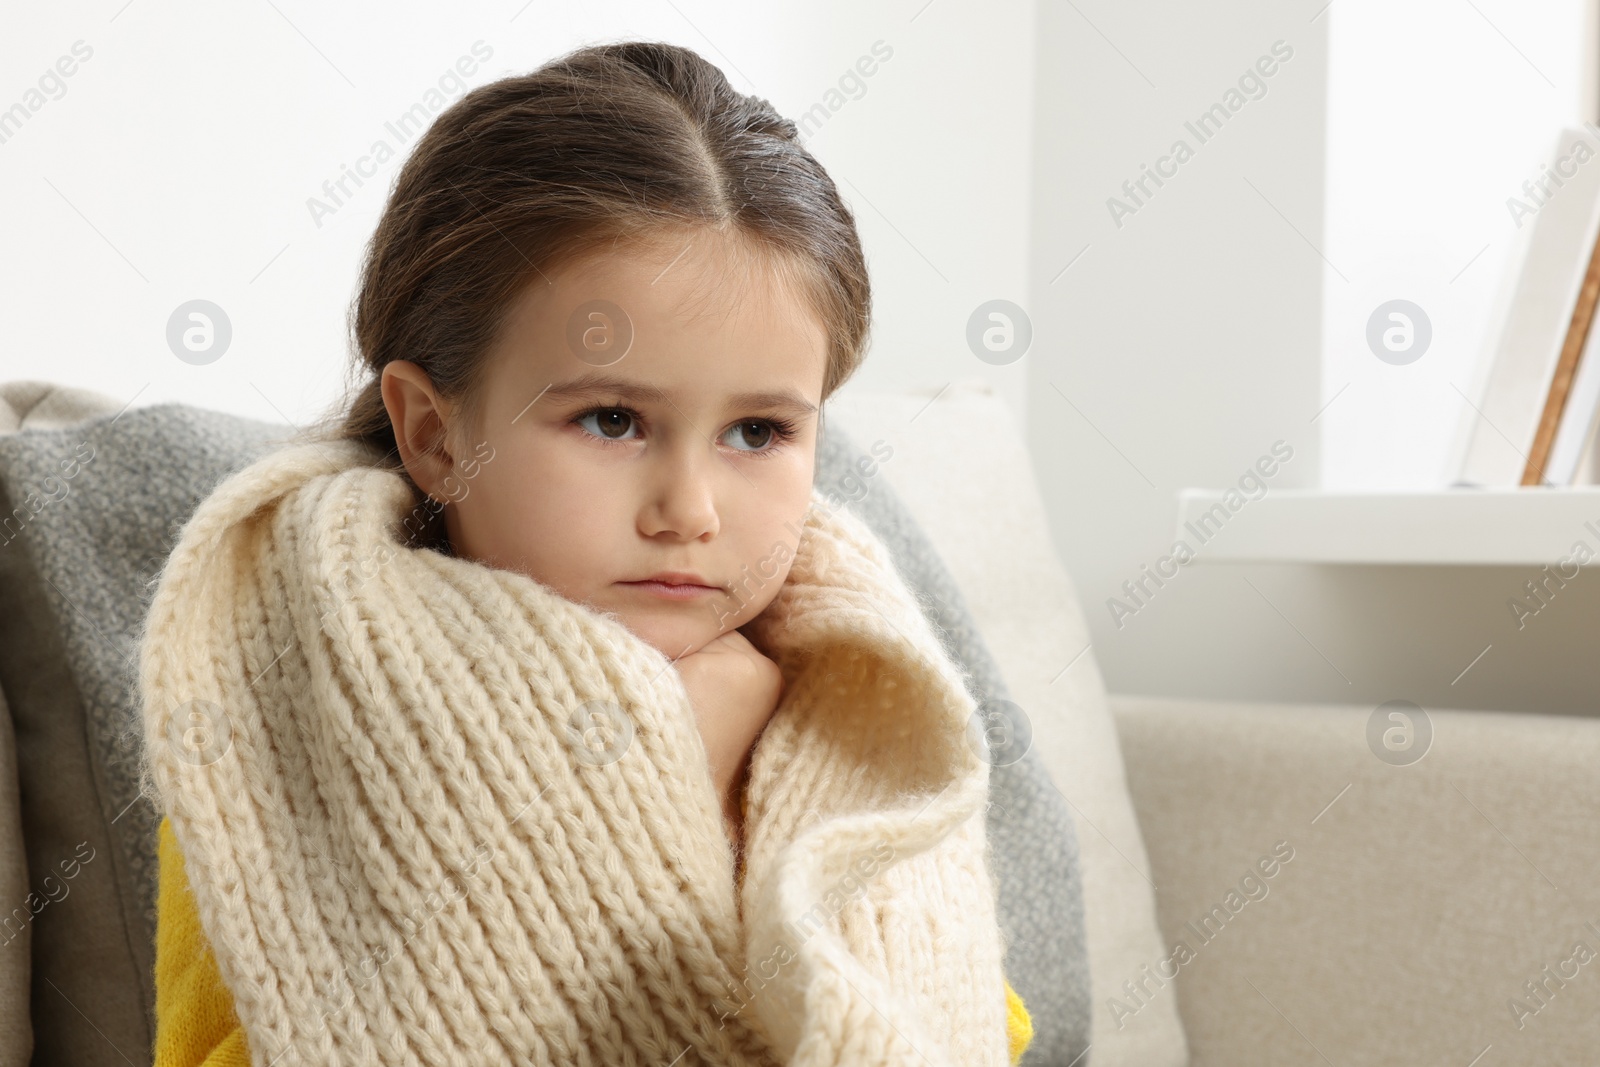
(91, 511)
(1033, 841)
(96, 508)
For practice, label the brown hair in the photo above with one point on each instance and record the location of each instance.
(624, 141)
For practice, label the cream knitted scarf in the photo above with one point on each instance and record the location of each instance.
(433, 813)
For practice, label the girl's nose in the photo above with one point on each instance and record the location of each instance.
(680, 493)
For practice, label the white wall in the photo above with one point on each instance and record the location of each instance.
(178, 162)
(1230, 308)
(1438, 111)
(1184, 343)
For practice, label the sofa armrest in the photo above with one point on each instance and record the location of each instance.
(16, 1030)
(1429, 910)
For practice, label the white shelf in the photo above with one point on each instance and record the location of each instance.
(1485, 527)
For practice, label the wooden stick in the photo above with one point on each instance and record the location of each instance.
(1566, 367)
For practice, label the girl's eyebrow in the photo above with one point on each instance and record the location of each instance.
(594, 384)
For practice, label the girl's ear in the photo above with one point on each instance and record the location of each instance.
(421, 421)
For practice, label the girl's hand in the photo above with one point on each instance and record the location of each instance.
(734, 690)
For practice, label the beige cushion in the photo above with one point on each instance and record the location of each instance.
(41, 405)
(1415, 907)
(963, 470)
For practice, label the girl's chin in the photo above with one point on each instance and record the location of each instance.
(679, 630)
(673, 642)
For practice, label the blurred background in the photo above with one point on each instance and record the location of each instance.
(1192, 315)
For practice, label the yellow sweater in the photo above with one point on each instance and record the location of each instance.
(195, 1022)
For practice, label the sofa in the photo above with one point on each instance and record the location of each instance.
(1260, 883)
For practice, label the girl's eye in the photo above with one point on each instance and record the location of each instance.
(613, 423)
(768, 434)
(764, 434)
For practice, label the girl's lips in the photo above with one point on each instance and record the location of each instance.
(669, 591)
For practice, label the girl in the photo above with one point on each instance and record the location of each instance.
(423, 692)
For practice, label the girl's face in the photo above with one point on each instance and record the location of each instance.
(645, 411)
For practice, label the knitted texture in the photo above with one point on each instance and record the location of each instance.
(431, 812)
(195, 1022)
